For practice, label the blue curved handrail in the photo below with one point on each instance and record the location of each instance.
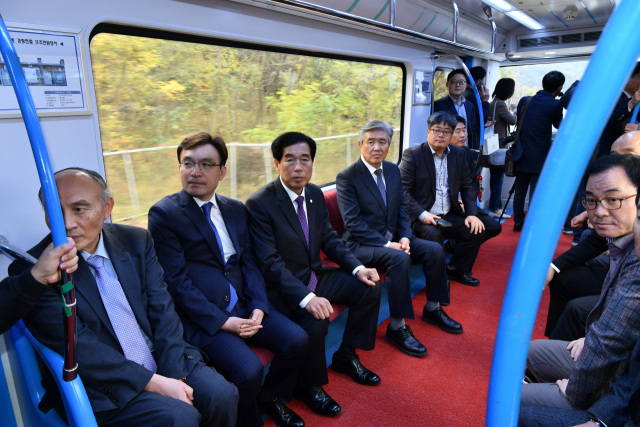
(634, 115)
(478, 100)
(565, 163)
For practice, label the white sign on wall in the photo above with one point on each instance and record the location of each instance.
(51, 64)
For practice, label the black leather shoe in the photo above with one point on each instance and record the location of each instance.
(355, 370)
(405, 341)
(518, 226)
(442, 320)
(460, 277)
(318, 400)
(280, 413)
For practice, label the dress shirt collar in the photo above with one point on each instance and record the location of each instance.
(291, 194)
(626, 94)
(622, 242)
(461, 103)
(101, 250)
(371, 169)
(213, 201)
(446, 151)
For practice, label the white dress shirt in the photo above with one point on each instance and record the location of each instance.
(372, 171)
(293, 196)
(218, 221)
(101, 250)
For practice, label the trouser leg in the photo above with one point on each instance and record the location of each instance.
(213, 396)
(467, 243)
(495, 185)
(433, 259)
(549, 360)
(572, 325)
(520, 194)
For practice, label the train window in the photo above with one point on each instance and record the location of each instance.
(152, 92)
(440, 82)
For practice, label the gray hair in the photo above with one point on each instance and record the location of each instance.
(106, 194)
(376, 125)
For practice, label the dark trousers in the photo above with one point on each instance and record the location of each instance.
(214, 405)
(573, 322)
(339, 288)
(533, 415)
(233, 358)
(524, 182)
(581, 281)
(467, 243)
(495, 185)
(397, 264)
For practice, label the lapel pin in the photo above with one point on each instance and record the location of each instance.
(310, 200)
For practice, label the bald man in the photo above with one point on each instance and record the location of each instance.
(629, 143)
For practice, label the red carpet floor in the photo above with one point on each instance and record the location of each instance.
(447, 388)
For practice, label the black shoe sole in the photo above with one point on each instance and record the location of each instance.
(405, 351)
(324, 414)
(444, 328)
(344, 371)
(451, 278)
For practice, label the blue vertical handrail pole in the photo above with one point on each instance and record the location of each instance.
(566, 162)
(479, 101)
(634, 115)
(47, 181)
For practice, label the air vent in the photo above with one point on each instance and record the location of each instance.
(529, 43)
(590, 37)
(549, 41)
(571, 38)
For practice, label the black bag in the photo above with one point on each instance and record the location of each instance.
(509, 163)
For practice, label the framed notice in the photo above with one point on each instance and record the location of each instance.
(422, 81)
(52, 65)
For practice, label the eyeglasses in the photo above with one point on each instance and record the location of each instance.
(204, 166)
(610, 203)
(458, 82)
(441, 132)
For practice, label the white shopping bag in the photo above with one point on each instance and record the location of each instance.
(491, 144)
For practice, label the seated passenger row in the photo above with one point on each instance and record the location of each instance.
(226, 277)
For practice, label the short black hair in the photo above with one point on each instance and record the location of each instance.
(442, 117)
(629, 162)
(477, 73)
(461, 119)
(291, 138)
(202, 138)
(552, 81)
(504, 89)
(457, 71)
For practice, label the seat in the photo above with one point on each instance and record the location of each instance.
(74, 397)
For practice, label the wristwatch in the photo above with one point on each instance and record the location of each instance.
(597, 422)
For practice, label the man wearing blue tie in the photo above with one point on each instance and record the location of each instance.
(203, 244)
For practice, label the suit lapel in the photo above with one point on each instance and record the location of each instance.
(452, 175)
(197, 216)
(431, 167)
(85, 284)
(371, 184)
(229, 221)
(290, 213)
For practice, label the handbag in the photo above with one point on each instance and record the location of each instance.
(509, 163)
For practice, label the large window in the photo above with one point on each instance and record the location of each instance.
(152, 92)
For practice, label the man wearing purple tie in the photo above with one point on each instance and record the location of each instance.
(289, 225)
(135, 366)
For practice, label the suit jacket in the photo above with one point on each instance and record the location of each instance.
(19, 295)
(614, 128)
(613, 329)
(194, 269)
(535, 137)
(470, 96)
(588, 248)
(279, 242)
(418, 173)
(473, 130)
(111, 381)
(365, 215)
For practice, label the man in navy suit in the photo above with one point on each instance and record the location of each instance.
(456, 104)
(136, 368)
(543, 112)
(378, 232)
(289, 225)
(204, 247)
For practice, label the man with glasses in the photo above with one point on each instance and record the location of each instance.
(573, 375)
(433, 174)
(202, 242)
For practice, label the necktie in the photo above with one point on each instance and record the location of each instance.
(122, 319)
(313, 281)
(234, 296)
(383, 191)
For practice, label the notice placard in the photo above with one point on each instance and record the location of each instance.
(51, 64)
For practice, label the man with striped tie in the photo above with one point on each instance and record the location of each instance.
(289, 225)
(135, 366)
(203, 245)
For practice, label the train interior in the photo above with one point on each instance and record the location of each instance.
(118, 84)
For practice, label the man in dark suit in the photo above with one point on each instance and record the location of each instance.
(203, 245)
(20, 294)
(433, 174)
(479, 76)
(378, 232)
(135, 366)
(543, 112)
(289, 225)
(456, 104)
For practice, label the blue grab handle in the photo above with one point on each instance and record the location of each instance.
(565, 164)
(38, 146)
(634, 115)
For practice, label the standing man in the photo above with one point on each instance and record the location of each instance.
(135, 366)
(203, 245)
(289, 225)
(543, 112)
(479, 76)
(433, 173)
(378, 232)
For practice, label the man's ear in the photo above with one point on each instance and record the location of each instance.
(108, 207)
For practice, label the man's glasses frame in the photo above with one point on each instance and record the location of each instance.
(442, 132)
(609, 203)
(204, 166)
